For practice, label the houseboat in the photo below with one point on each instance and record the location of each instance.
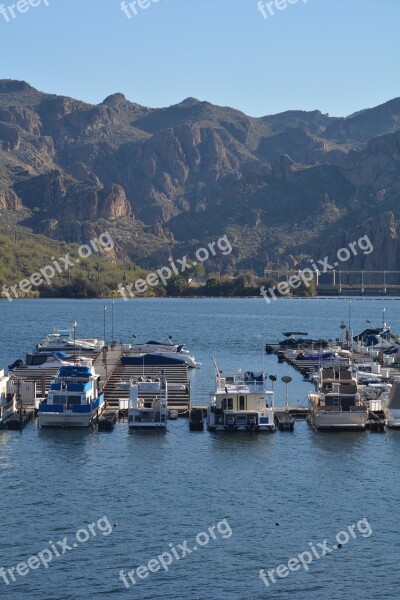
(74, 399)
(7, 399)
(336, 404)
(148, 404)
(240, 402)
(391, 407)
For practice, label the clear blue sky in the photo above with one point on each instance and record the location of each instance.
(335, 55)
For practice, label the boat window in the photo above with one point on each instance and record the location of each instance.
(230, 403)
(241, 403)
(74, 400)
(38, 360)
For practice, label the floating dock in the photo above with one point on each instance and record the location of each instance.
(107, 421)
(19, 420)
(116, 392)
(284, 420)
(376, 422)
(30, 385)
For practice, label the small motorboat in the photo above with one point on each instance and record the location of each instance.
(153, 346)
(155, 359)
(63, 340)
(45, 360)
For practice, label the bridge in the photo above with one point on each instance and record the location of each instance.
(357, 283)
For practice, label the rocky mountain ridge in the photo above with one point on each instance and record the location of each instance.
(169, 180)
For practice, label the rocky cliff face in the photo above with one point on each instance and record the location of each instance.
(9, 201)
(383, 233)
(282, 185)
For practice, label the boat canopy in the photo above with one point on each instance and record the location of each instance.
(151, 359)
(294, 333)
(74, 371)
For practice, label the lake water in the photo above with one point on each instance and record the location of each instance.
(268, 495)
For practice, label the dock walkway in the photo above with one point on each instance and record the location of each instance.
(117, 389)
(105, 364)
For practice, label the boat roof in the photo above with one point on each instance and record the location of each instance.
(293, 333)
(74, 371)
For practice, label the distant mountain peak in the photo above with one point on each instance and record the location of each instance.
(117, 98)
(190, 101)
(12, 85)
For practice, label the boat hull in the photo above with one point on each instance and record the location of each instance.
(147, 425)
(138, 419)
(6, 412)
(326, 420)
(259, 429)
(236, 422)
(69, 418)
(393, 418)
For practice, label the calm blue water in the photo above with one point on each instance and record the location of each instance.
(278, 492)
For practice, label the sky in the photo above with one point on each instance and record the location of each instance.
(337, 56)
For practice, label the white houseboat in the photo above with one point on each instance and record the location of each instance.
(336, 404)
(391, 407)
(240, 402)
(7, 400)
(148, 404)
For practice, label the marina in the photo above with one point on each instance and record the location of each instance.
(186, 463)
(356, 381)
(199, 300)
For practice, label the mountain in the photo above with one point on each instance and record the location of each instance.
(285, 187)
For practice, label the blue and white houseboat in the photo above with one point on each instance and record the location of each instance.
(73, 400)
(241, 402)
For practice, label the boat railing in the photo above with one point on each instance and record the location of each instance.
(240, 386)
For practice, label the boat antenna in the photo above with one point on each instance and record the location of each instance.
(261, 337)
(74, 326)
(350, 336)
(217, 372)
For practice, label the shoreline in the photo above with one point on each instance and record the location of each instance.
(341, 297)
